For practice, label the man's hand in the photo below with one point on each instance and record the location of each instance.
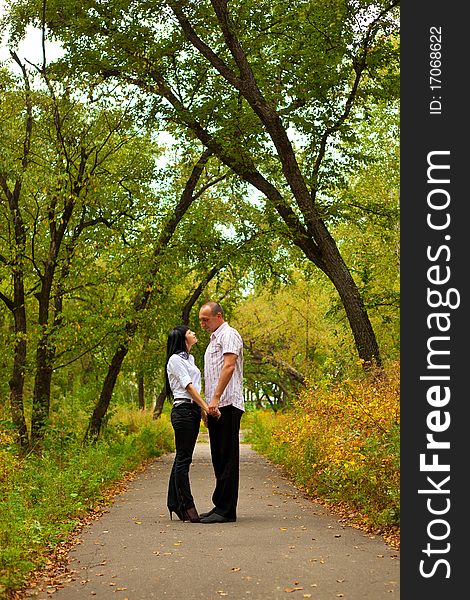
(213, 408)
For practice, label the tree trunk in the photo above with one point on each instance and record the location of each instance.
(96, 420)
(44, 357)
(160, 401)
(141, 391)
(16, 382)
(333, 265)
(42, 390)
(17, 305)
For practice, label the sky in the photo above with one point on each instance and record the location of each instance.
(30, 48)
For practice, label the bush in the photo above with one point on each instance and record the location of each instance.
(341, 442)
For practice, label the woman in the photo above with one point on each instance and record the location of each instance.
(183, 385)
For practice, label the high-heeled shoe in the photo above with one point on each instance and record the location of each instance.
(180, 514)
(191, 514)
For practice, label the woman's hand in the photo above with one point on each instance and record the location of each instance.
(214, 412)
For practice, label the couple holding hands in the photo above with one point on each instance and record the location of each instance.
(221, 412)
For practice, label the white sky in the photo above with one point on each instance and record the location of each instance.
(31, 47)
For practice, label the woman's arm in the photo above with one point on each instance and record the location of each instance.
(196, 396)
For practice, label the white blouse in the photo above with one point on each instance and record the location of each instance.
(181, 372)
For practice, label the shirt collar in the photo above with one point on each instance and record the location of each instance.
(215, 334)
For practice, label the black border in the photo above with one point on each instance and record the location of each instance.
(422, 132)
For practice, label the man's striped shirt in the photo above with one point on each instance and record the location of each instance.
(224, 340)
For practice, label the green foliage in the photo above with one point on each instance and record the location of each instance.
(44, 496)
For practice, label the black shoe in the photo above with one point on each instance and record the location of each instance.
(180, 514)
(216, 518)
(206, 514)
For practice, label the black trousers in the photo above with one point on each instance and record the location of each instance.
(186, 419)
(225, 453)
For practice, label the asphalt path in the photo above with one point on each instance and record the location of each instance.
(283, 545)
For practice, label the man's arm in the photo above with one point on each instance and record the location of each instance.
(225, 376)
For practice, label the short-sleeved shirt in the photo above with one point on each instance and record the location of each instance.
(182, 371)
(224, 340)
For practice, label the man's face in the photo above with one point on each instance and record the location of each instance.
(208, 321)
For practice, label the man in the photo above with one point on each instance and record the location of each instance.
(223, 388)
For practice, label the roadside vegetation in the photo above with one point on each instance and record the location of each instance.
(46, 495)
(339, 443)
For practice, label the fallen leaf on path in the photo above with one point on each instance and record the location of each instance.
(295, 589)
(235, 569)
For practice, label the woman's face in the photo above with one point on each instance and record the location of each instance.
(191, 339)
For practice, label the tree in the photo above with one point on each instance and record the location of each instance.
(271, 90)
(67, 173)
(11, 185)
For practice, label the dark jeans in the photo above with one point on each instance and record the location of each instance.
(225, 452)
(185, 419)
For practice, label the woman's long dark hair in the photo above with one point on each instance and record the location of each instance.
(176, 344)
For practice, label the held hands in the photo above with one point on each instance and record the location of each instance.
(213, 409)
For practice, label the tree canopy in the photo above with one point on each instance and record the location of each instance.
(178, 151)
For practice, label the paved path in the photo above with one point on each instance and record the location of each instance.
(282, 545)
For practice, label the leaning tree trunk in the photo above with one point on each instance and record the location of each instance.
(142, 297)
(311, 233)
(333, 265)
(160, 401)
(101, 408)
(18, 308)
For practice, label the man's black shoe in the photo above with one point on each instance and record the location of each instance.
(206, 514)
(216, 518)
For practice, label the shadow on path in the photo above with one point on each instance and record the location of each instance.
(282, 545)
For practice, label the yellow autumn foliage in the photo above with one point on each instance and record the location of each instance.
(340, 442)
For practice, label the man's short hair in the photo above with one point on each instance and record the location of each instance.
(215, 308)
